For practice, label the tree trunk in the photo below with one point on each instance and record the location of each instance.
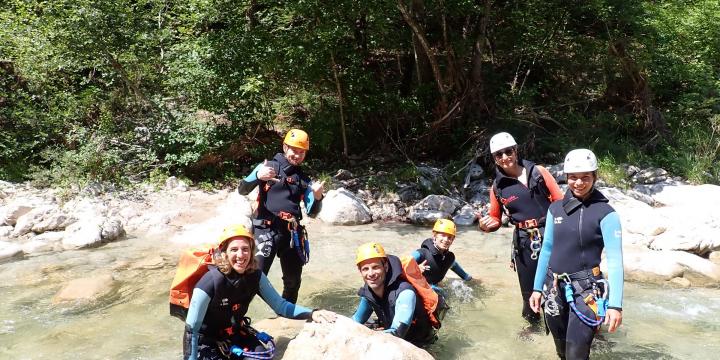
(338, 85)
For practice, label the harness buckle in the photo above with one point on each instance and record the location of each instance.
(530, 223)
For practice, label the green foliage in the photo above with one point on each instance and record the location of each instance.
(114, 90)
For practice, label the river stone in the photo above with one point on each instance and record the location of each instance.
(465, 216)
(26, 222)
(409, 193)
(52, 222)
(10, 214)
(383, 211)
(86, 289)
(153, 262)
(659, 266)
(9, 250)
(48, 241)
(715, 257)
(426, 217)
(681, 282)
(347, 340)
(341, 207)
(82, 234)
(650, 176)
(343, 174)
(475, 172)
(441, 203)
(112, 229)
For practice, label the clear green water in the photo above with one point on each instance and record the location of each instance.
(133, 322)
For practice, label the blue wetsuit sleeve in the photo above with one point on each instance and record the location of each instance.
(193, 321)
(363, 312)
(545, 252)
(312, 206)
(404, 311)
(247, 184)
(417, 256)
(281, 306)
(456, 268)
(612, 237)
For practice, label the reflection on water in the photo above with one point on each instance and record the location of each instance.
(132, 320)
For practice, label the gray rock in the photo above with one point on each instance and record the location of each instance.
(386, 211)
(10, 214)
(438, 202)
(426, 217)
(341, 207)
(82, 234)
(465, 216)
(112, 229)
(630, 170)
(348, 340)
(477, 192)
(409, 193)
(475, 172)
(53, 222)
(343, 174)
(431, 177)
(45, 242)
(26, 222)
(557, 172)
(650, 176)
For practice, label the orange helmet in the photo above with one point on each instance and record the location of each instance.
(297, 138)
(369, 250)
(444, 226)
(233, 231)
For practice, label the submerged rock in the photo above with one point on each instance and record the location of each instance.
(346, 339)
(86, 289)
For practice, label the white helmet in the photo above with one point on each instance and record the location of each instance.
(501, 141)
(580, 160)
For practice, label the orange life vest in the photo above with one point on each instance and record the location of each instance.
(193, 264)
(433, 304)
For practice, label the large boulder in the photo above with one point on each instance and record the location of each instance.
(465, 216)
(84, 233)
(45, 242)
(341, 207)
(646, 265)
(348, 340)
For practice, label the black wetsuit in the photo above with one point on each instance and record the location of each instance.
(272, 235)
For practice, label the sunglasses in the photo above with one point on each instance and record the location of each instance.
(507, 152)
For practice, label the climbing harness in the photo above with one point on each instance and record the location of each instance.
(593, 300)
(235, 352)
(551, 306)
(535, 242)
(299, 240)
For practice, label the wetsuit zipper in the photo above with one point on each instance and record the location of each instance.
(582, 248)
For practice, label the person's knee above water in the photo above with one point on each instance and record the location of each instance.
(392, 298)
(524, 192)
(215, 325)
(283, 186)
(434, 256)
(578, 299)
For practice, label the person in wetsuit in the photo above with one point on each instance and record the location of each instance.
(524, 191)
(578, 229)
(392, 298)
(215, 321)
(435, 258)
(282, 187)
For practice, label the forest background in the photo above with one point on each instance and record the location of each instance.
(128, 90)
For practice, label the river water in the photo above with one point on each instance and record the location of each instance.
(133, 322)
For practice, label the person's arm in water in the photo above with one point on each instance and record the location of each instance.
(543, 262)
(456, 268)
(612, 238)
(193, 321)
(363, 312)
(404, 311)
(279, 305)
